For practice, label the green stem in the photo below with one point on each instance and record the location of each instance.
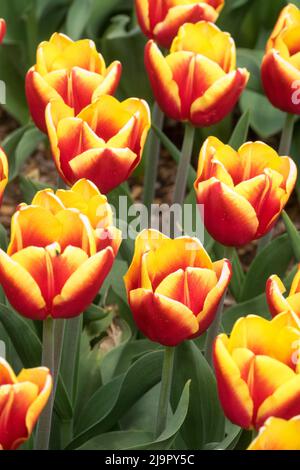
(184, 164)
(69, 367)
(59, 330)
(287, 135)
(284, 150)
(151, 155)
(214, 329)
(44, 425)
(164, 399)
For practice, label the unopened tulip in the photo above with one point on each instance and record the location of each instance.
(257, 370)
(22, 399)
(103, 143)
(278, 434)
(243, 192)
(281, 64)
(173, 287)
(198, 81)
(73, 72)
(42, 282)
(80, 217)
(3, 173)
(2, 29)
(161, 19)
(277, 302)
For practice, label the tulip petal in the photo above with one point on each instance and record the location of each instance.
(83, 285)
(110, 81)
(274, 290)
(107, 168)
(164, 87)
(21, 289)
(163, 320)
(283, 403)
(233, 390)
(219, 99)
(228, 217)
(278, 77)
(7, 375)
(278, 434)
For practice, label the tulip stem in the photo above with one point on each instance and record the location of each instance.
(151, 156)
(284, 150)
(48, 360)
(164, 399)
(215, 326)
(184, 164)
(287, 135)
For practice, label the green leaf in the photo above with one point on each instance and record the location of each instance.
(293, 235)
(25, 147)
(137, 440)
(205, 420)
(256, 306)
(240, 133)
(251, 60)
(238, 275)
(78, 17)
(29, 188)
(274, 258)
(229, 442)
(111, 401)
(22, 335)
(265, 120)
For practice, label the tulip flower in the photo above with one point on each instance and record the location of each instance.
(278, 434)
(277, 302)
(22, 399)
(73, 72)
(2, 29)
(3, 173)
(173, 287)
(161, 19)
(257, 370)
(243, 192)
(42, 282)
(281, 67)
(103, 143)
(79, 217)
(197, 82)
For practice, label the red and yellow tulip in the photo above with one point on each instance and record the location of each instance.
(197, 82)
(3, 173)
(173, 287)
(73, 72)
(278, 434)
(277, 302)
(161, 19)
(22, 399)
(2, 29)
(80, 217)
(103, 143)
(243, 192)
(257, 370)
(41, 282)
(281, 64)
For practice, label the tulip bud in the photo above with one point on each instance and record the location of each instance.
(173, 287)
(22, 399)
(243, 192)
(3, 173)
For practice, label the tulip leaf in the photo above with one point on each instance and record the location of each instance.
(274, 258)
(240, 133)
(265, 120)
(25, 147)
(293, 234)
(78, 17)
(205, 420)
(251, 60)
(115, 398)
(29, 188)
(22, 335)
(139, 440)
(255, 306)
(229, 442)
